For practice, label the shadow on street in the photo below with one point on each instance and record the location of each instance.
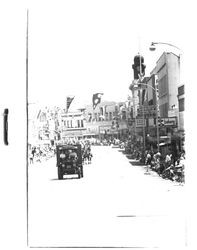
(69, 178)
(136, 163)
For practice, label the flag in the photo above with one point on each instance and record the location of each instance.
(121, 106)
(69, 101)
(96, 99)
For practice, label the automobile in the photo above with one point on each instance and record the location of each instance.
(69, 160)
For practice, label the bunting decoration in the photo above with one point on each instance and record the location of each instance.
(69, 101)
(96, 99)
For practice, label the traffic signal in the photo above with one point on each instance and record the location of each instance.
(138, 66)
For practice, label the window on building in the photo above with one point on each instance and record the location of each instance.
(181, 104)
(110, 116)
(78, 123)
(68, 125)
(82, 124)
(162, 84)
(101, 111)
(124, 115)
(98, 117)
(181, 90)
(95, 116)
(164, 110)
(89, 117)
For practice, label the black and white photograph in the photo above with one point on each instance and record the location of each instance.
(96, 132)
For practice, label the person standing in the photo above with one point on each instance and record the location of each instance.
(168, 160)
(148, 159)
(31, 158)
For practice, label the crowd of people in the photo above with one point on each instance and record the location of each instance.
(40, 153)
(168, 165)
(165, 164)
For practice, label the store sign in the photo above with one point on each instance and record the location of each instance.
(149, 110)
(169, 121)
(171, 113)
(140, 123)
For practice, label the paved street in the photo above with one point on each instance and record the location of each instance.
(115, 205)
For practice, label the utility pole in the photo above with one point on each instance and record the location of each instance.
(142, 103)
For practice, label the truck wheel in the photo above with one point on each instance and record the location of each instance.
(79, 173)
(60, 175)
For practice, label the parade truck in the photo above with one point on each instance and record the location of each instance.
(69, 160)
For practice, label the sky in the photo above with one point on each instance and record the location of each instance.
(81, 47)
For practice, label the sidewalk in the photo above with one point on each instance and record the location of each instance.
(147, 170)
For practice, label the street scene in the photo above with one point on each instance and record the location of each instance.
(106, 148)
(115, 204)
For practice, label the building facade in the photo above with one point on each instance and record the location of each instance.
(158, 102)
(73, 125)
(168, 77)
(164, 101)
(107, 120)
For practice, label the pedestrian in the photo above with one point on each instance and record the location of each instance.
(148, 159)
(31, 157)
(62, 155)
(157, 161)
(33, 151)
(72, 155)
(168, 160)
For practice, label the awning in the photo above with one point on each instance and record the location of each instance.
(164, 143)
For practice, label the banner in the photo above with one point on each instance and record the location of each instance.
(96, 99)
(69, 101)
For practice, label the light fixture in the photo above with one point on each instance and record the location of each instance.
(152, 47)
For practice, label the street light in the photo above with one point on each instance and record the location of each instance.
(153, 47)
